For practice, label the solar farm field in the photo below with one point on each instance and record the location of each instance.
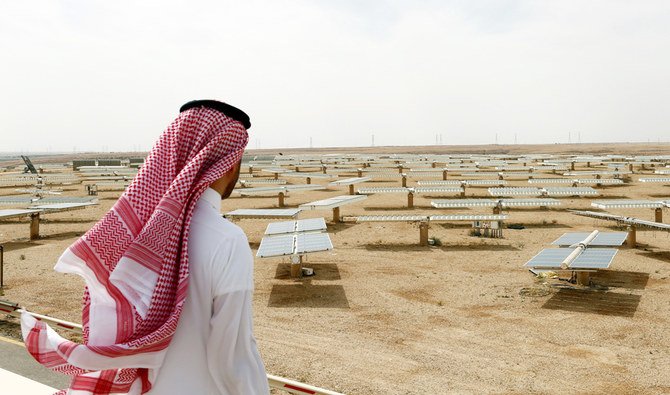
(384, 314)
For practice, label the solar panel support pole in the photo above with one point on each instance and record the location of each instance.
(588, 164)
(631, 238)
(276, 176)
(308, 180)
(323, 169)
(444, 175)
(403, 182)
(410, 200)
(500, 176)
(658, 215)
(423, 233)
(34, 226)
(572, 166)
(351, 188)
(359, 172)
(280, 198)
(336, 214)
(583, 278)
(296, 266)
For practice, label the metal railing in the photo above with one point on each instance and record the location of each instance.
(290, 386)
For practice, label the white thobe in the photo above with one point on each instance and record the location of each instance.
(213, 351)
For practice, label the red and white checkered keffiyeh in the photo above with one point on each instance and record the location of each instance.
(135, 262)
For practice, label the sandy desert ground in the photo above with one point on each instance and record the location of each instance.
(383, 315)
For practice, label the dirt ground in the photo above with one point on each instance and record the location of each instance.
(383, 315)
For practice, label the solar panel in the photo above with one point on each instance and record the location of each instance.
(468, 217)
(459, 203)
(623, 220)
(276, 246)
(391, 218)
(302, 225)
(657, 179)
(368, 191)
(9, 200)
(306, 175)
(594, 258)
(661, 171)
(263, 213)
(567, 191)
(515, 191)
(439, 182)
(312, 242)
(602, 239)
(263, 182)
(437, 190)
(350, 181)
(606, 181)
(275, 228)
(485, 182)
(387, 175)
(550, 181)
(12, 213)
(540, 202)
(62, 206)
(589, 259)
(627, 204)
(333, 202)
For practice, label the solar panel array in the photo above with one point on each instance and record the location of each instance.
(391, 218)
(515, 191)
(293, 244)
(607, 204)
(468, 217)
(438, 182)
(540, 202)
(601, 239)
(14, 213)
(62, 206)
(350, 181)
(437, 189)
(459, 203)
(302, 225)
(657, 179)
(333, 202)
(570, 191)
(588, 259)
(623, 220)
(369, 191)
(263, 213)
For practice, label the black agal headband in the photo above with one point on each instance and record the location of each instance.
(226, 109)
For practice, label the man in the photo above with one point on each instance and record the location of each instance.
(167, 308)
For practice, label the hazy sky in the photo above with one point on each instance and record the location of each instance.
(110, 75)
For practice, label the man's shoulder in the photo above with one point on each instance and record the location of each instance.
(215, 226)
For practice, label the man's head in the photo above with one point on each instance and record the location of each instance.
(226, 183)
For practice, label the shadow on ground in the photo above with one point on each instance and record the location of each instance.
(620, 279)
(594, 302)
(307, 295)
